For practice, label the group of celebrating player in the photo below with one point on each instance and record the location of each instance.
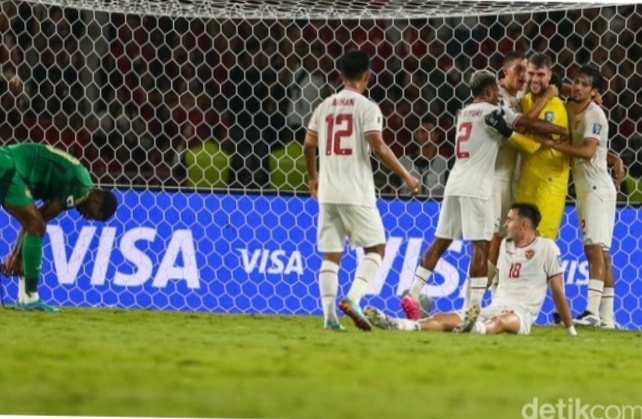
(517, 131)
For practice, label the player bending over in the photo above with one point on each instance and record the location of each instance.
(527, 265)
(468, 206)
(30, 172)
(349, 126)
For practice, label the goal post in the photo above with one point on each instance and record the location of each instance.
(195, 111)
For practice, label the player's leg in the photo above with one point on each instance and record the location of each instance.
(502, 323)
(448, 229)
(34, 227)
(331, 240)
(607, 315)
(439, 322)
(590, 210)
(366, 231)
(502, 203)
(477, 227)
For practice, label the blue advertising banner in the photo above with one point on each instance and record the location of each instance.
(257, 254)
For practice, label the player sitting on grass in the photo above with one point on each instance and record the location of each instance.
(30, 172)
(527, 264)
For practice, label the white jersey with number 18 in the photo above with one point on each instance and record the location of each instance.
(476, 151)
(341, 123)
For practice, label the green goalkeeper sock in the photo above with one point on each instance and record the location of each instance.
(32, 262)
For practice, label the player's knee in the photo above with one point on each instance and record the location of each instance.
(594, 253)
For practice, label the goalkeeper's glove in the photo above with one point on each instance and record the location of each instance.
(496, 120)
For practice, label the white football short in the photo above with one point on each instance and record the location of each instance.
(472, 218)
(525, 317)
(362, 225)
(596, 217)
(503, 194)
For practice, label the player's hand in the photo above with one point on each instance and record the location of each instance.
(414, 185)
(314, 188)
(12, 266)
(598, 99)
(496, 120)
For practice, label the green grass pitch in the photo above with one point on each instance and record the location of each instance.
(100, 362)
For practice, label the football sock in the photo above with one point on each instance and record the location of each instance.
(366, 271)
(421, 276)
(328, 286)
(32, 264)
(606, 306)
(595, 290)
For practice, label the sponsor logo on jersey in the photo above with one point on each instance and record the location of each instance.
(597, 128)
(548, 116)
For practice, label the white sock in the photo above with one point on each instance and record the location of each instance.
(606, 306)
(421, 276)
(595, 290)
(477, 290)
(408, 325)
(492, 270)
(31, 298)
(366, 271)
(22, 293)
(479, 329)
(328, 286)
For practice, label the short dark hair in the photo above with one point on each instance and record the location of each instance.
(593, 73)
(540, 60)
(528, 210)
(354, 64)
(512, 56)
(480, 81)
(109, 205)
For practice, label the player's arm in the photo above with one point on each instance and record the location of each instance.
(618, 167)
(387, 157)
(506, 127)
(539, 126)
(524, 143)
(584, 151)
(310, 152)
(556, 284)
(542, 102)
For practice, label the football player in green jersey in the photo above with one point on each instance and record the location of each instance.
(31, 172)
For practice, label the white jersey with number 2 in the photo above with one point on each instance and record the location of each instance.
(341, 123)
(476, 150)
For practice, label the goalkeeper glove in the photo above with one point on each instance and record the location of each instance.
(496, 120)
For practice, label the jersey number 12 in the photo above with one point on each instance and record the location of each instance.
(339, 126)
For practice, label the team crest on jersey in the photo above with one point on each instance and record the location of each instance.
(28, 193)
(597, 128)
(529, 254)
(70, 201)
(548, 116)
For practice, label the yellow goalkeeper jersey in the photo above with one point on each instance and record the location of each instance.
(544, 173)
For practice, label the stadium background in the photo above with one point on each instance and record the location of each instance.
(149, 103)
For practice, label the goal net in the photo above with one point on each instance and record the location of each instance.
(195, 111)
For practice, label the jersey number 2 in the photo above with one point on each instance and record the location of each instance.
(465, 129)
(339, 126)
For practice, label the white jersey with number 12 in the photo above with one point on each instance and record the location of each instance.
(341, 123)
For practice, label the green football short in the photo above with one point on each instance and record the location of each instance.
(13, 190)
